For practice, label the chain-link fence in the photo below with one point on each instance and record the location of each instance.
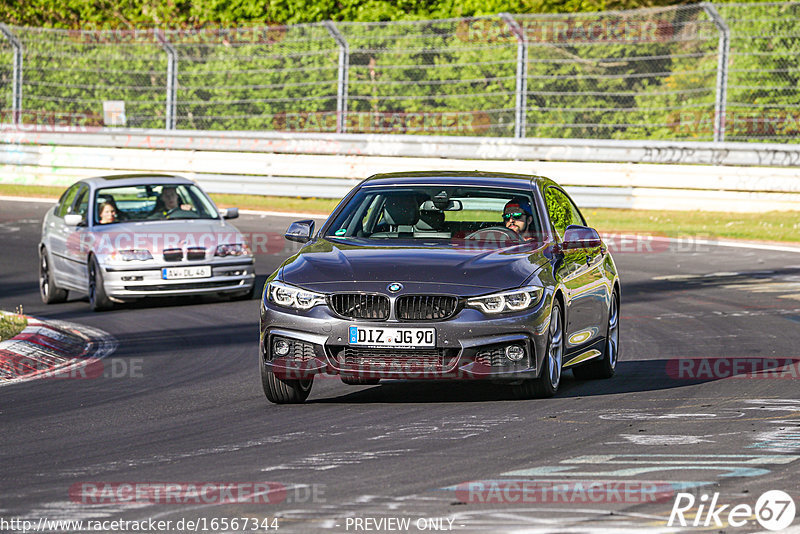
(693, 72)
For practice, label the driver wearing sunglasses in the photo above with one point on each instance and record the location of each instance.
(517, 215)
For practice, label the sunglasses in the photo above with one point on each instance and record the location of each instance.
(517, 215)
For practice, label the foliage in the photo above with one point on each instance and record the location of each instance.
(12, 324)
(647, 74)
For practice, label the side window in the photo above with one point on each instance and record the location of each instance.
(66, 200)
(561, 210)
(82, 202)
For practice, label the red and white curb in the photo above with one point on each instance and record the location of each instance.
(44, 349)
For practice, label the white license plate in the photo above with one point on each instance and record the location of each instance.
(177, 273)
(368, 336)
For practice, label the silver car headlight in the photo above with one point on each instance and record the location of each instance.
(139, 254)
(508, 301)
(293, 297)
(236, 249)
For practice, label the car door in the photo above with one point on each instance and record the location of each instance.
(57, 238)
(580, 273)
(77, 251)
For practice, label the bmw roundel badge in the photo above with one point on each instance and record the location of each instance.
(394, 287)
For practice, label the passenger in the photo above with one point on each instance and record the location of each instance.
(518, 216)
(108, 212)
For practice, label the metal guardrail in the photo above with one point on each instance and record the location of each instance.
(477, 148)
(599, 173)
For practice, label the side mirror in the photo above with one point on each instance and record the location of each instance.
(229, 213)
(580, 237)
(73, 219)
(300, 231)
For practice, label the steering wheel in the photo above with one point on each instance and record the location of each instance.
(170, 212)
(510, 234)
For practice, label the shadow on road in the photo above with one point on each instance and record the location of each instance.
(631, 377)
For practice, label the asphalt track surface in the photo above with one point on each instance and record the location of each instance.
(182, 403)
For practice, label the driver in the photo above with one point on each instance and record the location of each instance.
(518, 216)
(171, 201)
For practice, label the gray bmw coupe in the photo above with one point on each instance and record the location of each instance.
(443, 275)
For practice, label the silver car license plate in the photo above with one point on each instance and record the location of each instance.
(370, 336)
(178, 273)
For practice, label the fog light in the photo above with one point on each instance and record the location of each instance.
(515, 353)
(281, 347)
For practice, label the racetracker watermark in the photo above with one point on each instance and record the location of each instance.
(737, 368)
(202, 492)
(563, 491)
(43, 367)
(774, 510)
(210, 33)
(212, 243)
(573, 30)
(750, 123)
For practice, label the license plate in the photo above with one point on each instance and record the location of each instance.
(177, 273)
(392, 337)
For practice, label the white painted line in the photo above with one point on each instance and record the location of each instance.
(29, 199)
(284, 214)
(730, 244)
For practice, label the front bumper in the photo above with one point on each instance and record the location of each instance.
(470, 345)
(127, 282)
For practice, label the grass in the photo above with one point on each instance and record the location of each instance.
(771, 226)
(11, 324)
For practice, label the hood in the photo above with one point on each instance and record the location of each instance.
(328, 265)
(156, 236)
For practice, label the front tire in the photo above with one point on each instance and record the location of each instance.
(285, 391)
(606, 366)
(550, 378)
(48, 290)
(98, 300)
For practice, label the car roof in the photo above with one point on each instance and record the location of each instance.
(477, 178)
(122, 180)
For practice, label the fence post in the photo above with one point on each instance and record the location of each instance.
(722, 70)
(344, 67)
(522, 74)
(172, 78)
(16, 83)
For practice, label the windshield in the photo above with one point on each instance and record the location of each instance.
(152, 202)
(446, 214)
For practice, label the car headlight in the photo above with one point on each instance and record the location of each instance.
(508, 301)
(293, 297)
(139, 254)
(235, 249)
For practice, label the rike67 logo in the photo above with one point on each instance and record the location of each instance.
(774, 510)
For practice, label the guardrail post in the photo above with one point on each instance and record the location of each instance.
(172, 78)
(344, 67)
(522, 74)
(722, 70)
(16, 80)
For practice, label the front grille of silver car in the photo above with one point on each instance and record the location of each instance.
(425, 307)
(360, 306)
(173, 254)
(195, 253)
